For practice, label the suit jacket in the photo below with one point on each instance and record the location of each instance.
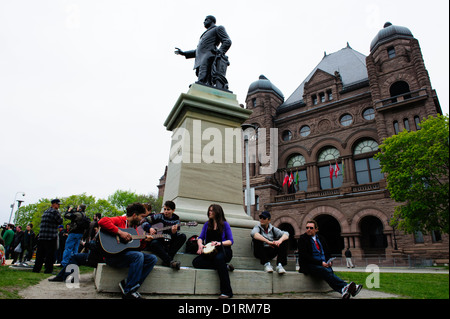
(206, 48)
(305, 252)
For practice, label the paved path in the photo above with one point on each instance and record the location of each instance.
(86, 290)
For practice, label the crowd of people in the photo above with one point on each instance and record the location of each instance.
(52, 243)
(82, 243)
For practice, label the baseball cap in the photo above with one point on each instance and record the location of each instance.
(264, 214)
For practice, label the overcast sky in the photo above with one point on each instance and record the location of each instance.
(86, 85)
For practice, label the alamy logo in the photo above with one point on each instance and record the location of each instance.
(73, 280)
(207, 145)
(373, 280)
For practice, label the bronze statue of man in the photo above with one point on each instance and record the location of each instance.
(210, 61)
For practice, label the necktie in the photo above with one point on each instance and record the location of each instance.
(317, 245)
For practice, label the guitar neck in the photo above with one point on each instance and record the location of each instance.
(145, 236)
(170, 227)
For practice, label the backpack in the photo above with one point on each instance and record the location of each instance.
(80, 223)
(192, 245)
(84, 222)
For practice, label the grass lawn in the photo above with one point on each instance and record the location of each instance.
(13, 280)
(408, 285)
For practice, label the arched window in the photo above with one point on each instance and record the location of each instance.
(300, 178)
(367, 169)
(417, 122)
(328, 158)
(396, 128)
(406, 124)
(329, 154)
(399, 88)
(296, 161)
(365, 146)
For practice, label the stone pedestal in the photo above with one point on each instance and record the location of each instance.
(205, 163)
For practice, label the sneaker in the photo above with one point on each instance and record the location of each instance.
(268, 267)
(56, 279)
(280, 269)
(175, 265)
(132, 295)
(223, 296)
(357, 290)
(348, 290)
(230, 267)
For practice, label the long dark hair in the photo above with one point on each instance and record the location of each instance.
(219, 217)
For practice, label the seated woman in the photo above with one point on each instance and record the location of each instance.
(216, 231)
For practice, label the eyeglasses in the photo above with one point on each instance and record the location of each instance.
(309, 227)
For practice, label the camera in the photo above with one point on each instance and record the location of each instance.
(72, 209)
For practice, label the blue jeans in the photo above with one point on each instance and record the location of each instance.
(328, 275)
(71, 248)
(140, 265)
(76, 259)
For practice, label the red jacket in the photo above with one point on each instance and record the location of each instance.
(112, 225)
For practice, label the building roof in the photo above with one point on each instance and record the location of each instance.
(263, 84)
(350, 64)
(388, 33)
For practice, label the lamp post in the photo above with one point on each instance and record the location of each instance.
(247, 136)
(19, 203)
(13, 204)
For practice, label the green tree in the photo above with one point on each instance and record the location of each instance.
(33, 212)
(121, 199)
(114, 206)
(152, 200)
(417, 167)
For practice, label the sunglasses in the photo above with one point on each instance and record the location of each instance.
(262, 217)
(309, 227)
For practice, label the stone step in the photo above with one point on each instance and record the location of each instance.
(239, 262)
(191, 281)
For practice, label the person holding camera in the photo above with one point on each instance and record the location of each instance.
(79, 223)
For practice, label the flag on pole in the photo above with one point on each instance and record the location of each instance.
(336, 170)
(286, 179)
(331, 171)
(296, 178)
(291, 179)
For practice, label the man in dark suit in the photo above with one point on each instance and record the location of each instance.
(210, 61)
(314, 259)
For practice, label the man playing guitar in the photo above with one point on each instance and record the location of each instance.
(140, 264)
(164, 249)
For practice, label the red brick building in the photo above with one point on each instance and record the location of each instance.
(337, 117)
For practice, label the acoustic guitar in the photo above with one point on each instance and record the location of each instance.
(114, 244)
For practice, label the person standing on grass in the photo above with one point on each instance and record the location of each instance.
(46, 244)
